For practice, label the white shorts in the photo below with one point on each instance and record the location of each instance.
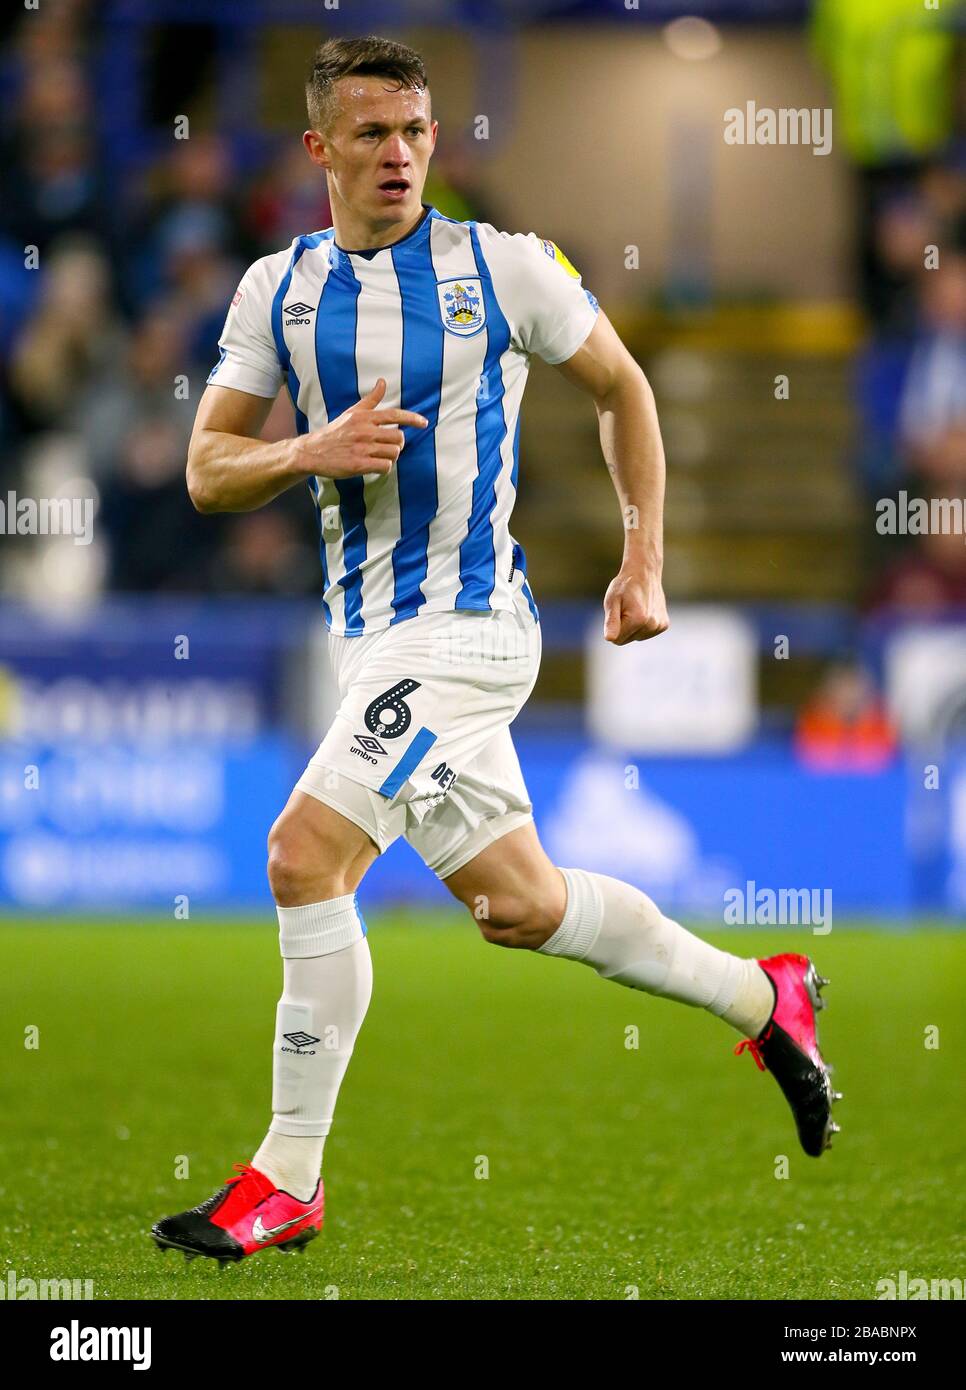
(420, 745)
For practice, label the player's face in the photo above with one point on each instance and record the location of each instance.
(378, 149)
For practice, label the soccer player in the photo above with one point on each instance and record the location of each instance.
(404, 339)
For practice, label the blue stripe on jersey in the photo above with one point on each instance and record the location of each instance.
(336, 324)
(516, 453)
(420, 390)
(414, 754)
(314, 489)
(477, 553)
(304, 243)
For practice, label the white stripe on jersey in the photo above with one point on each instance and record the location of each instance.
(506, 493)
(379, 354)
(456, 430)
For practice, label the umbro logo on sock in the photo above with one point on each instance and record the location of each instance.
(300, 1041)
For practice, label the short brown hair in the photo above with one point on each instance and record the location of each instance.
(366, 57)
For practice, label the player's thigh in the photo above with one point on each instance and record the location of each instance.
(486, 801)
(513, 889)
(312, 842)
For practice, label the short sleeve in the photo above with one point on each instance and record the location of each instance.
(550, 312)
(247, 356)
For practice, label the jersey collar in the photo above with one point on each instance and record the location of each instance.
(418, 234)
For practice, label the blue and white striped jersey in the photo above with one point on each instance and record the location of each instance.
(450, 316)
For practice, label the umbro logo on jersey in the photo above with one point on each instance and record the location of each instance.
(298, 312)
(299, 1042)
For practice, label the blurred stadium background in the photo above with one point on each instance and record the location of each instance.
(804, 723)
(802, 318)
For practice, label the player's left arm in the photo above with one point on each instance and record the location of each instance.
(630, 439)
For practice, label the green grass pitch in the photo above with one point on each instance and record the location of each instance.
(611, 1169)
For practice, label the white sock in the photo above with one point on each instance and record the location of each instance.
(326, 992)
(621, 933)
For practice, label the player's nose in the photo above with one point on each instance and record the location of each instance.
(396, 152)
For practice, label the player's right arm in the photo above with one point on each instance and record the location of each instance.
(231, 470)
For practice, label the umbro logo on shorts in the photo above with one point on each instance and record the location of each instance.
(298, 312)
(369, 750)
(371, 745)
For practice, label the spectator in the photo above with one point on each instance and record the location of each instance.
(927, 582)
(264, 554)
(288, 198)
(158, 540)
(73, 336)
(934, 391)
(153, 380)
(844, 727)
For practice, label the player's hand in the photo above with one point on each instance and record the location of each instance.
(634, 607)
(363, 439)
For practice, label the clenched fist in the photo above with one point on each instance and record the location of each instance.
(634, 607)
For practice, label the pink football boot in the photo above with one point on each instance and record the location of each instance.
(788, 1047)
(248, 1214)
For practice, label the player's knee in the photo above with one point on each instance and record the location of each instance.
(286, 867)
(299, 868)
(516, 920)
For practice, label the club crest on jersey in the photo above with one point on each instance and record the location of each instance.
(461, 306)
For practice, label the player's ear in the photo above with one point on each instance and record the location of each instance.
(316, 148)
